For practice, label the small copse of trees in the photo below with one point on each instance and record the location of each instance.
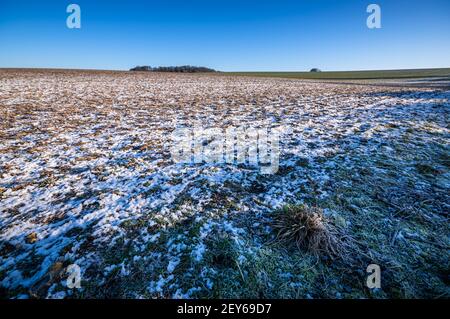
(180, 69)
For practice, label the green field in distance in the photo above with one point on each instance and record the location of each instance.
(353, 75)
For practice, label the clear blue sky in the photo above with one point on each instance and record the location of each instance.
(226, 35)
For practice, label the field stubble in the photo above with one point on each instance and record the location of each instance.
(86, 178)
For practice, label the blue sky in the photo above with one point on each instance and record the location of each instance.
(226, 35)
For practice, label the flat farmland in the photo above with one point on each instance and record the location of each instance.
(87, 178)
(355, 75)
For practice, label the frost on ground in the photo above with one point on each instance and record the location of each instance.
(86, 178)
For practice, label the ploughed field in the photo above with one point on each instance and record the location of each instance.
(87, 178)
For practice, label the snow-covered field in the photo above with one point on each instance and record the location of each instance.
(87, 178)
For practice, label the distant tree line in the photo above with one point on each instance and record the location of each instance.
(181, 69)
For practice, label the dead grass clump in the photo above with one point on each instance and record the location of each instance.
(308, 228)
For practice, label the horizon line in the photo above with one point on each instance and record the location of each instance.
(246, 71)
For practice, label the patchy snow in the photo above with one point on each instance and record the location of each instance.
(86, 172)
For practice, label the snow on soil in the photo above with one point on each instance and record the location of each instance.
(86, 175)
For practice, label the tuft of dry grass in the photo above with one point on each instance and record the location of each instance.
(308, 228)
